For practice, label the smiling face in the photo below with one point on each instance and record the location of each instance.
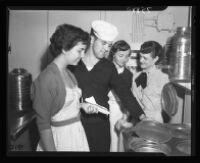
(100, 47)
(121, 57)
(74, 55)
(147, 61)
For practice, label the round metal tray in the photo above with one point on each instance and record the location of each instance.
(169, 100)
(153, 131)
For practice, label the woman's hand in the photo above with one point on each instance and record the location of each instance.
(89, 108)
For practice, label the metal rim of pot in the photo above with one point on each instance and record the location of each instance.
(142, 145)
(153, 131)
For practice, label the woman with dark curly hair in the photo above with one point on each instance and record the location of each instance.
(56, 94)
(148, 84)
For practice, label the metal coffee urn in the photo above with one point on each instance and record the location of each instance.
(178, 55)
(19, 90)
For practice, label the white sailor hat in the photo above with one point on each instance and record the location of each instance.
(104, 30)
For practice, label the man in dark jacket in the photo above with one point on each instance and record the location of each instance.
(96, 76)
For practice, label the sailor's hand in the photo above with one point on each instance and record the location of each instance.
(142, 116)
(89, 108)
(123, 123)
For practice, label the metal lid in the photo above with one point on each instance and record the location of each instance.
(169, 101)
(153, 131)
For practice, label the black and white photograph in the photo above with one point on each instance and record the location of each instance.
(100, 81)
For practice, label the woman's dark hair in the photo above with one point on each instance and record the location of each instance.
(154, 48)
(120, 45)
(66, 37)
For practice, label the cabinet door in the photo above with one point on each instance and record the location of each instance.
(28, 40)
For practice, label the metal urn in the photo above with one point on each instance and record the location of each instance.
(19, 90)
(178, 55)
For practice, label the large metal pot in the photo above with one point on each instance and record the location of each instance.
(178, 55)
(146, 146)
(19, 90)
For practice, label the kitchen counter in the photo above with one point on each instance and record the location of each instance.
(18, 122)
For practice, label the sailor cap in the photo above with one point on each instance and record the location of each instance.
(104, 30)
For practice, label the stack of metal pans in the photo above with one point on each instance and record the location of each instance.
(153, 131)
(19, 90)
(152, 137)
(143, 145)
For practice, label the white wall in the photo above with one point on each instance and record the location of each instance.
(28, 40)
(30, 30)
(130, 24)
(180, 19)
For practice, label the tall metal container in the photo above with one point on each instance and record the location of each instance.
(178, 55)
(19, 90)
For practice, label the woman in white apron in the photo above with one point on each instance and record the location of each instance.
(67, 130)
(56, 94)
